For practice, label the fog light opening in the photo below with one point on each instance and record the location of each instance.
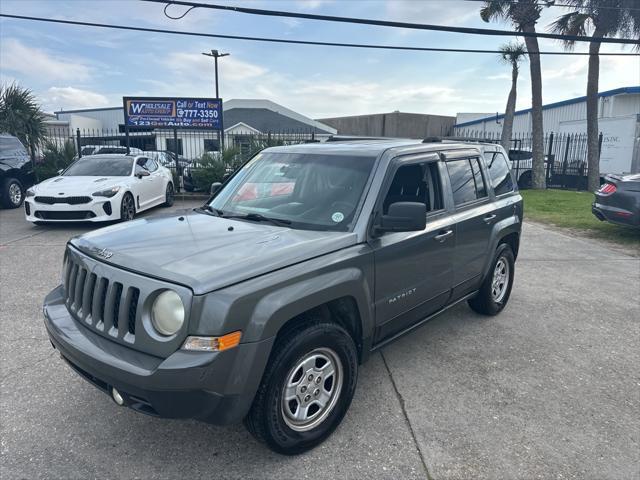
(115, 394)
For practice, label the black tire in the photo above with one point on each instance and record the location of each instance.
(169, 195)
(525, 181)
(12, 194)
(266, 419)
(127, 208)
(486, 302)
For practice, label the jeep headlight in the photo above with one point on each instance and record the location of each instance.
(167, 313)
(109, 192)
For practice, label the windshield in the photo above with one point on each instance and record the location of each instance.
(11, 146)
(310, 191)
(100, 167)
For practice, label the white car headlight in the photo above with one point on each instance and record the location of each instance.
(109, 192)
(167, 313)
(30, 192)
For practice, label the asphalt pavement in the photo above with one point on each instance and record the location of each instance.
(547, 389)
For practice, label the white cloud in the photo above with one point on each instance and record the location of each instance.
(39, 64)
(414, 11)
(70, 98)
(230, 67)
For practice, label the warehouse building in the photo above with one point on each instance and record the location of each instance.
(618, 120)
(394, 124)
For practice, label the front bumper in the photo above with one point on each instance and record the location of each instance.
(216, 387)
(99, 209)
(617, 215)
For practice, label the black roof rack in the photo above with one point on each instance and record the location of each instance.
(432, 140)
(351, 138)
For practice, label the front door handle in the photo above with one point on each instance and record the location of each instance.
(441, 237)
(489, 218)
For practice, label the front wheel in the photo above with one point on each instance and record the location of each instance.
(496, 288)
(127, 208)
(12, 193)
(306, 389)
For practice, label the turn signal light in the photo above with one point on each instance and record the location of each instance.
(212, 344)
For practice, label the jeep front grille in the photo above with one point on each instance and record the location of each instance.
(107, 306)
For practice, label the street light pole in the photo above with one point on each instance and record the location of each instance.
(216, 54)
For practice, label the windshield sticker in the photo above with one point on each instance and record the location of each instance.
(337, 217)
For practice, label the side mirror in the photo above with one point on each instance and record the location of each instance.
(215, 186)
(142, 173)
(404, 217)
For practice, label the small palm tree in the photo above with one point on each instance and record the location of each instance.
(524, 15)
(600, 18)
(511, 54)
(20, 115)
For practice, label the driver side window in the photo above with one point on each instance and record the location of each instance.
(418, 182)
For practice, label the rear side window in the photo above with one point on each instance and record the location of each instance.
(467, 182)
(500, 174)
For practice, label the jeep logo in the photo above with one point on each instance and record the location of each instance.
(103, 253)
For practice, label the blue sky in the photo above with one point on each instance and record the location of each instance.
(75, 67)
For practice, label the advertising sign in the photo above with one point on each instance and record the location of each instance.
(173, 112)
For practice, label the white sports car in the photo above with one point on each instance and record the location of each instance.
(101, 188)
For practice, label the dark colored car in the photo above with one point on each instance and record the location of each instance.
(168, 159)
(16, 171)
(262, 304)
(618, 200)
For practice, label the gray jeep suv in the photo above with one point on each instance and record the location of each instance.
(262, 304)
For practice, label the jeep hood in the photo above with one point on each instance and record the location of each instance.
(204, 252)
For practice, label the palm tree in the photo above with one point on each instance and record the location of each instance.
(524, 15)
(20, 115)
(601, 18)
(512, 54)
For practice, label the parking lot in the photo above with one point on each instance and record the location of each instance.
(548, 389)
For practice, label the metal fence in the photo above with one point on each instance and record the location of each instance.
(565, 157)
(185, 152)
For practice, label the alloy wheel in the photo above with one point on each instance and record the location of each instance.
(500, 280)
(312, 389)
(15, 194)
(128, 209)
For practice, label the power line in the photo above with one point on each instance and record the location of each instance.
(386, 23)
(290, 41)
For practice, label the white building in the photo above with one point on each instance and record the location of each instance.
(619, 122)
(243, 118)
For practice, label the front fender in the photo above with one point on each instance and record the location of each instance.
(259, 307)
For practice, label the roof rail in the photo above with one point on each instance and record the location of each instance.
(351, 138)
(472, 139)
(432, 140)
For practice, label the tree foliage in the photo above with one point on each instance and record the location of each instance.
(20, 115)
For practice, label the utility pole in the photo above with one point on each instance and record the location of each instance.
(216, 54)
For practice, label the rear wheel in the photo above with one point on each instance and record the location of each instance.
(169, 195)
(496, 288)
(127, 208)
(306, 389)
(12, 193)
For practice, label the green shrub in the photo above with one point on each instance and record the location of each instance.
(55, 157)
(209, 169)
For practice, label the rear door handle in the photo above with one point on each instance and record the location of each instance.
(441, 237)
(489, 218)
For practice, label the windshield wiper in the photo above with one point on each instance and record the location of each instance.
(209, 210)
(257, 217)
